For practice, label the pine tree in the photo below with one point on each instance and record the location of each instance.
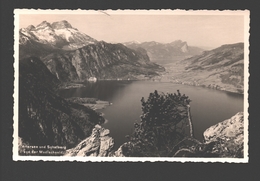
(159, 127)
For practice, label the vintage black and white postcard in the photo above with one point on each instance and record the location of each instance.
(131, 85)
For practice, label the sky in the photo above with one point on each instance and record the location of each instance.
(196, 30)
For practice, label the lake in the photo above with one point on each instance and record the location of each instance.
(208, 106)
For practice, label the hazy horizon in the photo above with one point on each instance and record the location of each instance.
(197, 30)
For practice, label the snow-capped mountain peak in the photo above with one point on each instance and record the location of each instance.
(61, 25)
(44, 25)
(58, 34)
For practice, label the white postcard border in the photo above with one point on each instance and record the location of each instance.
(244, 13)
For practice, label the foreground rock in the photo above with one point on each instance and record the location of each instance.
(229, 135)
(229, 129)
(99, 143)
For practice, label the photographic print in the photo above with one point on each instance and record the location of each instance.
(131, 85)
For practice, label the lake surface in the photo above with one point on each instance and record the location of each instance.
(208, 106)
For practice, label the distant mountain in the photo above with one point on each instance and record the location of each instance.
(221, 68)
(207, 47)
(71, 55)
(135, 42)
(44, 117)
(166, 52)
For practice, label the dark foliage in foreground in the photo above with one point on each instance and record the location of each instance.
(162, 125)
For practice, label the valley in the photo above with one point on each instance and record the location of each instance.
(221, 69)
(164, 53)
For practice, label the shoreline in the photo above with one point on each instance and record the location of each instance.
(204, 86)
(73, 85)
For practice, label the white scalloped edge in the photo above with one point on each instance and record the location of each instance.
(245, 13)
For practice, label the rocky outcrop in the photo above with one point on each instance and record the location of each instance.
(232, 128)
(228, 134)
(99, 143)
(119, 151)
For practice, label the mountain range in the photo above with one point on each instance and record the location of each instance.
(71, 55)
(163, 53)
